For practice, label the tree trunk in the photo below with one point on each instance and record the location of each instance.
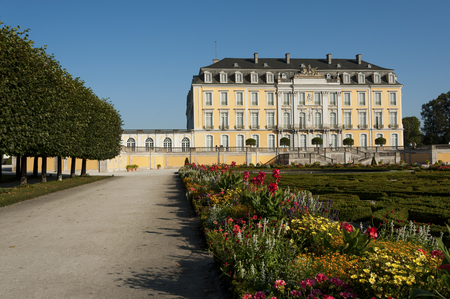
(35, 167)
(72, 167)
(23, 172)
(83, 167)
(44, 170)
(18, 167)
(59, 171)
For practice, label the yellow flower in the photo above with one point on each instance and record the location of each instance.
(354, 276)
(366, 270)
(372, 280)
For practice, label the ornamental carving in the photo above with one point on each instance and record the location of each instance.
(309, 72)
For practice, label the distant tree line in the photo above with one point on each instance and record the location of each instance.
(45, 112)
(436, 123)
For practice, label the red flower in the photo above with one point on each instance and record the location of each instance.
(347, 226)
(273, 187)
(372, 232)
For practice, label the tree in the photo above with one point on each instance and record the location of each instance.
(380, 141)
(250, 142)
(436, 120)
(317, 141)
(348, 141)
(285, 141)
(411, 130)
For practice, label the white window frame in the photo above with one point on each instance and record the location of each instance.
(225, 137)
(391, 124)
(301, 138)
(396, 139)
(206, 93)
(253, 77)
(149, 143)
(347, 120)
(286, 98)
(209, 137)
(207, 113)
(375, 95)
(377, 114)
(346, 78)
(270, 121)
(301, 98)
(253, 115)
(361, 78)
(238, 77)
(270, 98)
(238, 136)
(238, 94)
(362, 101)
(286, 119)
(349, 98)
(207, 77)
(317, 96)
(362, 119)
(185, 144)
(361, 139)
(224, 98)
(317, 124)
(254, 98)
(240, 115)
(271, 141)
(224, 119)
(391, 78)
(167, 142)
(376, 78)
(131, 143)
(332, 98)
(302, 120)
(270, 77)
(333, 123)
(256, 137)
(223, 77)
(392, 98)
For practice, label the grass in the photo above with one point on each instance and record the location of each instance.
(9, 196)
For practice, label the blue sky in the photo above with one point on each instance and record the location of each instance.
(143, 54)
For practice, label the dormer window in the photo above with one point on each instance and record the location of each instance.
(376, 78)
(238, 77)
(269, 77)
(361, 79)
(207, 77)
(236, 64)
(254, 77)
(302, 65)
(391, 78)
(346, 78)
(283, 76)
(223, 77)
(266, 64)
(338, 65)
(328, 76)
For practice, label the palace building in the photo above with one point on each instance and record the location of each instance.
(266, 99)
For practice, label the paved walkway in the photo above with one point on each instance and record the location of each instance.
(131, 236)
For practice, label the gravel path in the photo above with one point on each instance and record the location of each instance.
(132, 236)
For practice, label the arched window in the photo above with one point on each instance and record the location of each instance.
(333, 140)
(333, 121)
(377, 136)
(317, 119)
(168, 143)
(149, 143)
(185, 144)
(209, 142)
(302, 140)
(240, 142)
(394, 139)
(363, 140)
(131, 143)
(256, 137)
(271, 140)
(224, 141)
(321, 137)
(302, 120)
(286, 120)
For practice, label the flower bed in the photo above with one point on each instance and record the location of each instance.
(272, 242)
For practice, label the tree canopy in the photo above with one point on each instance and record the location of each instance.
(45, 111)
(411, 130)
(285, 141)
(436, 120)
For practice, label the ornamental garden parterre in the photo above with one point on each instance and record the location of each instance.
(277, 242)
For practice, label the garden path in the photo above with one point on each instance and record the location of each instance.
(132, 236)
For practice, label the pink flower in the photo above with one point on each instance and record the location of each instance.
(236, 229)
(347, 226)
(260, 295)
(307, 283)
(273, 187)
(437, 253)
(295, 293)
(279, 284)
(321, 277)
(372, 232)
(422, 251)
(247, 296)
(246, 175)
(327, 297)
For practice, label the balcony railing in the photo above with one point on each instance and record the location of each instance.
(224, 127)
(239, 127)
(378, 126)
(208, 127)
(254, 127)
(347, 126)
(363, 126)
(393, 126)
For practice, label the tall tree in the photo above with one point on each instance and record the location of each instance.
(411, 130)
(436, 120)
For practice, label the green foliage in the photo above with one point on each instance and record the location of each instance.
(264, 202)
(374, 162)
(250, 142)
(317, 141)
(380, 141)
(229, 180)
(436, 120)
(355, 243)
(348, 141)
(186, 161)
(285, 141)
(411, 130)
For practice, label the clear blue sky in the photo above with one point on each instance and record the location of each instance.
(143, 54)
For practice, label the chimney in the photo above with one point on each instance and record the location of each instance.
(288, 58)
(256, 57)
(358, 58)
(329, 58)
(215, 60)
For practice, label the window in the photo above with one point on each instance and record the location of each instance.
(320, 136)
(167, 142)
(256, 137)
(362, 116)
(270, 99)
(347, 120)
(224, 120)
(361, 78)
(254, 78)
(333, 98)
(317, 98)
(362, 99)
(392, 98)
(347, 99)
(224, 141)
(378, 119)
(334, 140)
(207, 77)
(269, 77)
(209, 141)
(185, 144)
(286, 120)
(302, 140)
(285, 98)
(348, 136)
(149, 143)
(376, 78)
(208, 120)
(317, 119)
(394, 139)
(302, 120)
(238, 77)
(239, 98)
(346, 78)
(131, 143)
(301, 98)
(254, 120)
(223, 77)
(271, 140)
(240, 141)
(333, 120)
(377, 97)
(363, 140)
(283, 76)
(239, 120)
(254, 99)
(224, 98)
(378, 135)
(391, 78)
(393, 119)
(270, 120)
(208, 99)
